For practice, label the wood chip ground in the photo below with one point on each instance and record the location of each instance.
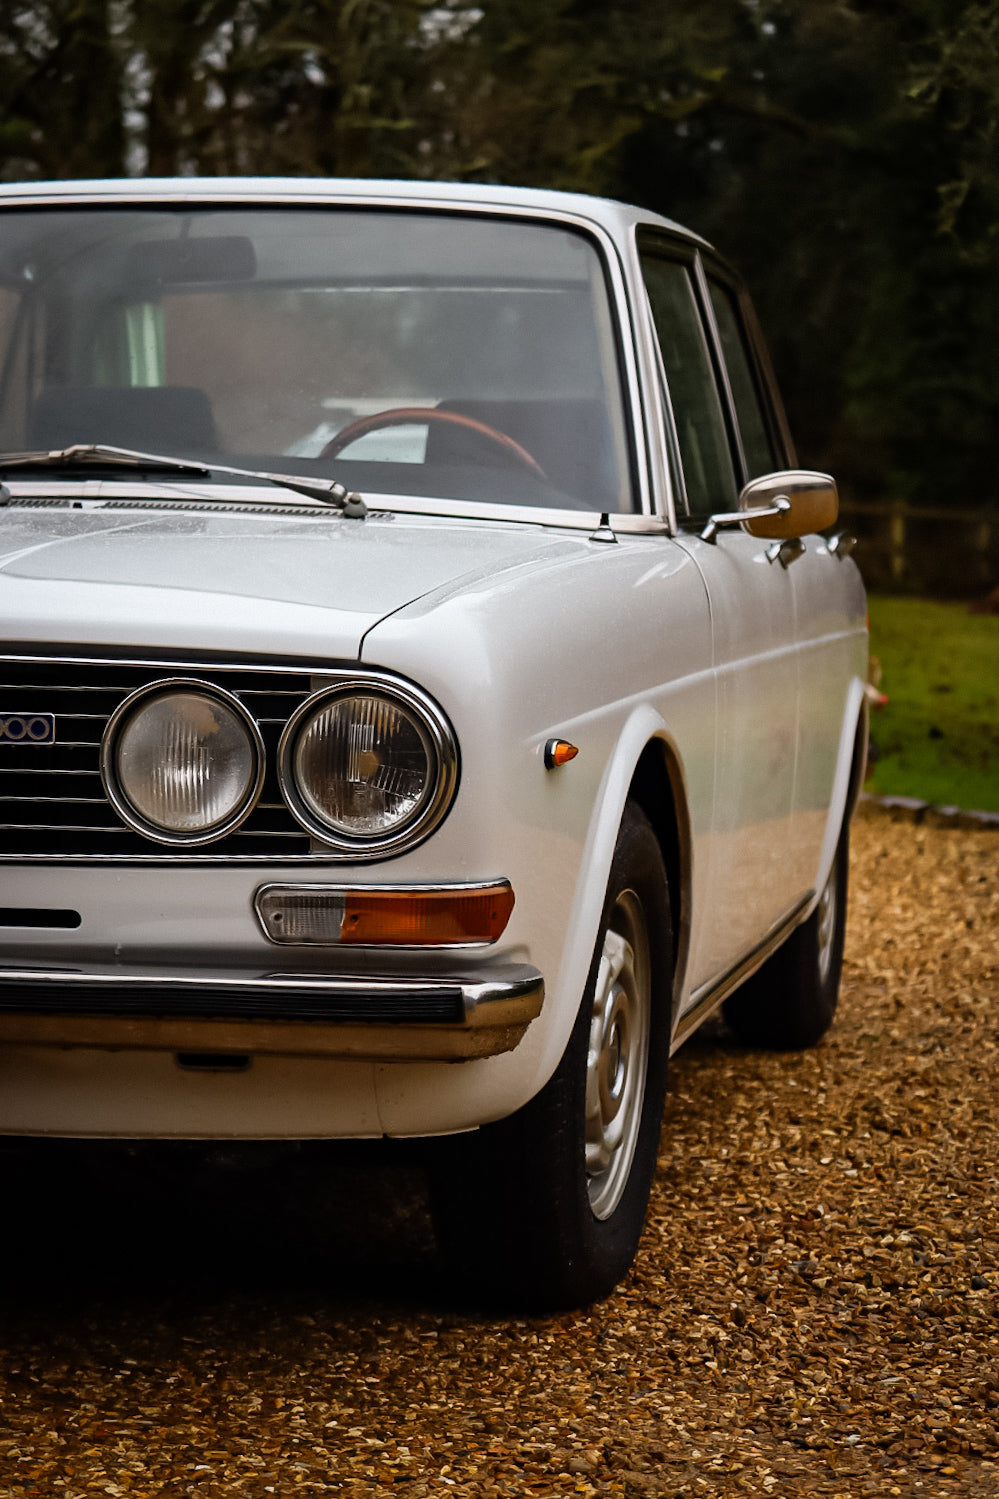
(813, 1310)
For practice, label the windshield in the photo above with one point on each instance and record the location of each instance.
(434, 354)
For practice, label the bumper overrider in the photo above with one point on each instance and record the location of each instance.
(303, 1014)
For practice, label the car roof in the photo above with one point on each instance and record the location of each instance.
(612, 216)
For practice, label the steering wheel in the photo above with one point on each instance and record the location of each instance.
(407, 416)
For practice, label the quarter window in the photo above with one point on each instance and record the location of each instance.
(756, 445)
(708, 472)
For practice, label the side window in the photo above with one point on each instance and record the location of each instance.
(756, 444)
(708, 472)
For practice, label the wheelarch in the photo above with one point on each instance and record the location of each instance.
(852, 760)
(858, 767)
(659, 788)
(645, 766)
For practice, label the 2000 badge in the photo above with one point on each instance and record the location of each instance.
(27, 728)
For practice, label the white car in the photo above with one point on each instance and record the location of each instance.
(429, 687)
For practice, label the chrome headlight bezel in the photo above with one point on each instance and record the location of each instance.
(442, 754)
(118, 796)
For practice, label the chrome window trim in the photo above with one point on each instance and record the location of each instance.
(715, 269)
(665, 456)
(658, 240)
(443, 743)
(662, 451)
(722, 376)
(119, 800)
(651, 242)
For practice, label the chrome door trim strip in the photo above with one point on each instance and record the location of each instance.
(709, 996)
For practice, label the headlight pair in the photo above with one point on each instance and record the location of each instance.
(364, 766)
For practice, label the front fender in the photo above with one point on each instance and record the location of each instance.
(643, 726)
(484, 1089)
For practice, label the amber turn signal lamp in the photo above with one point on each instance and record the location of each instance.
(559, 752)
(408, 917)
(435, 918)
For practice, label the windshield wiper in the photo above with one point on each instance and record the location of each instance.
(326, 491)
(93, 453)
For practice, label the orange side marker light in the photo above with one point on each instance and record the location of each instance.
(559, 752)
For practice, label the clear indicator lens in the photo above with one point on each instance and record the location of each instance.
(301, 915)
(363, 766)
(186, 762)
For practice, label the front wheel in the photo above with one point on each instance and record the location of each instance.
(546, 1208)
(789, 1003)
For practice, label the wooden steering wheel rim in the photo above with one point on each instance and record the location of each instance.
(405, 416)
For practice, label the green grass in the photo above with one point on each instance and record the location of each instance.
(938, 737)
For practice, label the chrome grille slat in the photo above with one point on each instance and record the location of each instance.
(64, 821)
(58, 801)
(40, 686)
(60, 744)
(67, 827)
(20, 686)
(242, 833)
(40, 827)
(26, 770)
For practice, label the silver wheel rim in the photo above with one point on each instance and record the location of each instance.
(617, 1055)
(826, 913)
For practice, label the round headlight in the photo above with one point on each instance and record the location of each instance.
(183, 762)
(366, 768)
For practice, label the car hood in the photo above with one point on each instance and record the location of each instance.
(237, 581)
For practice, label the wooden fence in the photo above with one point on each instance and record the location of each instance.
(941, 553)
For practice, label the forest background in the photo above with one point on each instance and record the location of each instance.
(842, 152)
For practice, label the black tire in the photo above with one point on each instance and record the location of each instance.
(544, 1210)
(789, 1003)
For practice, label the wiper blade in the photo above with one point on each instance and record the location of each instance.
(326, 491)
(104, 457)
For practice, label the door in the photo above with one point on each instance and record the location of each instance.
(829, 614)
(751, 882)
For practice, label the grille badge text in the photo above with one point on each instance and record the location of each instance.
(27, 728)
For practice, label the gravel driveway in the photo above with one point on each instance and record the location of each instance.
(813, 1310)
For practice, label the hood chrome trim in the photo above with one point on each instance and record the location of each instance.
(104, 494)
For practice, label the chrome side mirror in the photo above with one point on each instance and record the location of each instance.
(813, 504)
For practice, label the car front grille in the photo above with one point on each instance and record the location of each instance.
(52, 800)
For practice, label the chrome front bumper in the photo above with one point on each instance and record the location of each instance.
(304, 1014)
